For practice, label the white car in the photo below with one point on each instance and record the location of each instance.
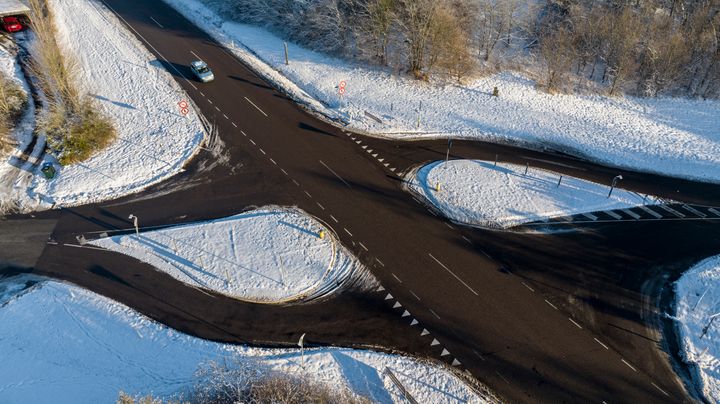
(202, 71)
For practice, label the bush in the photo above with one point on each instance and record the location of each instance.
(12, 103)
(77, 135)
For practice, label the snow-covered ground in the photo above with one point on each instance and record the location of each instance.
(135, 90)
(697, 310)
(676, 137)
(480, 193)
(63, 344)
(269, 255)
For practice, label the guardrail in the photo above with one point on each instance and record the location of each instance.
(399, 385)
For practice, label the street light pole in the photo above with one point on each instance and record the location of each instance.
(135, 223)
(614, 182)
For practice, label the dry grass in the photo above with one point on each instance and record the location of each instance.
(75, 128)
(12, 103)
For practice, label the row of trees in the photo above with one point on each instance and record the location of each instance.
(645, 47)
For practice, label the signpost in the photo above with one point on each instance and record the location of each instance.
(341, 88)
(301, 344)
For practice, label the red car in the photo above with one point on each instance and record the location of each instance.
(11, 24)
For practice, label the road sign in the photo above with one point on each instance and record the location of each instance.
(183, 104)
(341, 87)
(343, 84)
(342, 90)
(184, 111)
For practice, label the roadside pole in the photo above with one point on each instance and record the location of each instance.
(135, 223)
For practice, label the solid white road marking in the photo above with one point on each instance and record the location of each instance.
(363, 246)
(631, 214)
(256, 107)
(694, 211)
(551, 305)
(576, 324)
(347, 231)
(603, 345)
(628, 365)
(196, 55)
(334, 173)
(651, 212)
(333, 218)
(453, 274)
(156, 22)
(671, 210)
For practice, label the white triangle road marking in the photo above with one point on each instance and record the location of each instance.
(444, 352)
(396, 305)
(405, 313)
(424, 332)
(388, 297)
(434, 342)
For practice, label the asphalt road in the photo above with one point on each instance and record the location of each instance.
(570, 316)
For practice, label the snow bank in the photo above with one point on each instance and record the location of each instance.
(265, 255)
(133, 88)
(676, 137)
(697, 301)
(479, 193)
(63, 344)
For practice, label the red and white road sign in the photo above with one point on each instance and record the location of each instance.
(184, 111)
(341, 87)
(342, 90)
(183, 104)
(343, 84)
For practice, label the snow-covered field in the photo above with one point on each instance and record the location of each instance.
(479, 193)
(134, 89)
(267, 255)
(697, 310)
(676, 137)
(63, 344)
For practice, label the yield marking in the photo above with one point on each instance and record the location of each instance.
(395, 276)
(388, 297)
(334, 173)
(603, 345)
(628, 365)
(551, 305)
(256, 107)
(364, 147)
(380, 289)
(614, 215)
(333, 218)
(631, 214)
(444, 352)
(358, 141)
(434, 342)
(369, 150)
(396, 305)
(321, 207)
(529, 288)
(453, 274)
(158, 24)
(363, 246)
(380, 262)
(456, 362)
(381, 160)
(651, 212)
(424, 332)
(671, 210)
(661, 390)
(347, 231)
(393, 169)
(694, 211)
(405, 314)
(414, 322)
(576, 324)
(386, 164)
(375, 155)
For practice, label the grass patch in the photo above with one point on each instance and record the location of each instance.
(75, 128)
(12, 103)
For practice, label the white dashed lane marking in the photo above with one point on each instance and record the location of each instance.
(551, 305)
(363, 246)
(347, 231)
(333, 218)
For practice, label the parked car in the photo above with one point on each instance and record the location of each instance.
(202, 71)
(11, 24)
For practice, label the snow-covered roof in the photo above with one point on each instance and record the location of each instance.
(13, 7)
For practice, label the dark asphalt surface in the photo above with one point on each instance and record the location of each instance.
(567, 316)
